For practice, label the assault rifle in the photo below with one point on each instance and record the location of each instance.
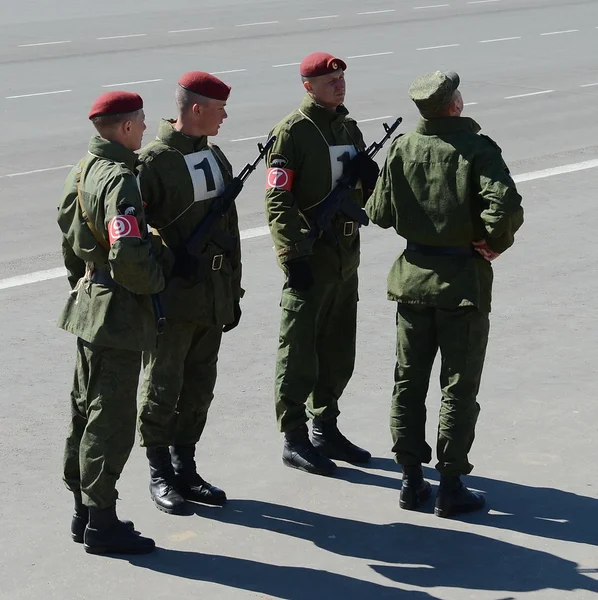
(208, 230)
(338, 199)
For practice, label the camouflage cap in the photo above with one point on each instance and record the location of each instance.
(433, 91)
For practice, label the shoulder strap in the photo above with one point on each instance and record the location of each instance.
(100, 239)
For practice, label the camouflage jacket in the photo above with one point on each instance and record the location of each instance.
(312, 146)
(117, 312)
(445, 185)
(180, 177)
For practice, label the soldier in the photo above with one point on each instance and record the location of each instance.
(181, 175)
(316, 351)
(446, 189)
(112, 271)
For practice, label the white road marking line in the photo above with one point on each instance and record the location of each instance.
(188, 30)
(559, 32)
(375, 119)
(121, 37)
(437, 47)
(499, 40)
(377, 12)
(37, 171)
(430, 6)
(45, 44)
(39, 94)
(37, 276)
(367, 55)
(246, 139)
(231, 71)
(482, 1)
(588, 84)
(315, 18)
(286, 65)
(132, 82)
(470, 103)
(260, 23)
(530, 94)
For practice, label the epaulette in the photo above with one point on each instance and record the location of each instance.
(487, 137)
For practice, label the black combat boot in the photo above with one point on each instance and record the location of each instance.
(189, 484)
(299, 453)
(81, 518)
(415, 490)
(105, 534)
(329, 441)
(453, 498)
(162, 482)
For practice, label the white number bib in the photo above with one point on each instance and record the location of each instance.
(339, 156)
(206, 175)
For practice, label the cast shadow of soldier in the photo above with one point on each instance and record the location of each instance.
(424, 556)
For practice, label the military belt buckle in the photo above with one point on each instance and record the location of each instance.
(349, 228)
(217, 262)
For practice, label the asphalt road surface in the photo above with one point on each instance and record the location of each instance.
(530, 77)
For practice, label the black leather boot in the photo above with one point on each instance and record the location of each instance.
(81, 518)
(329, 441)
(105, 534)
(299, 453)
(162, 482)
(453, 498)
(415, 490)
(189, 484)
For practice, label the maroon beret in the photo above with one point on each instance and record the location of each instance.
(320, 63)
(205, 84)
(114, 103)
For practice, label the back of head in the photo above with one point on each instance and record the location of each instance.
(434, 93)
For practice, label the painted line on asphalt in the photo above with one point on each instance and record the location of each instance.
(247, 139)
(38, 94)
(482, 1)
(131, 82)
(37, 171)
(286, 65)
(470, 104)
(437, 47)
(588, 85)
(188, 30)
(559, 32)
(375, 119)
(377, 12)
(255, 24)
(231, 71)
(529, 94)
(256, 232)
(506, 39)
(367, 55)
(430, 6)
(316, 18)
(44, 44)
(122, 37)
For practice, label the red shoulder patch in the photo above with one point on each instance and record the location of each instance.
(281, 179)
(123, 226)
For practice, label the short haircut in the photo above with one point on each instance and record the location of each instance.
(440, 111)
(185, 99)
(104, 122)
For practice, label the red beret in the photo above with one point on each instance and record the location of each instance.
(320, 63)
(205, 84)
(114, 103)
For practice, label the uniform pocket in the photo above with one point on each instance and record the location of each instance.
(289, 301)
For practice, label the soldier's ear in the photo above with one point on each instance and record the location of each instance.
(197, 109)
(307, 86)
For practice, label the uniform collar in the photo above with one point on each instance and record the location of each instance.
(321, 115)
(447, 125)
(98, 146)
(185, 144)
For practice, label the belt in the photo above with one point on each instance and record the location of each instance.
(350, 228)
(441, 250)
(102, 277)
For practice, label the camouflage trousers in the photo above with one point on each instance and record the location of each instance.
(462, 337)
(178, 384)
(316, 351)
(102, 429)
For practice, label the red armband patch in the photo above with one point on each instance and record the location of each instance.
(123, 226)
(281, 179)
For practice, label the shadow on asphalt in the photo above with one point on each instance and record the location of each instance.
(413, 554)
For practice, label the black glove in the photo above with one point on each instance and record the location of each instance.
(232, 325)
(365, 168)
(185, 265)
(299, 275)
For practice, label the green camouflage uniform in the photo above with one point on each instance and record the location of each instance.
(442, 186)
(316, 352)
(113, 320)
(180, 176)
